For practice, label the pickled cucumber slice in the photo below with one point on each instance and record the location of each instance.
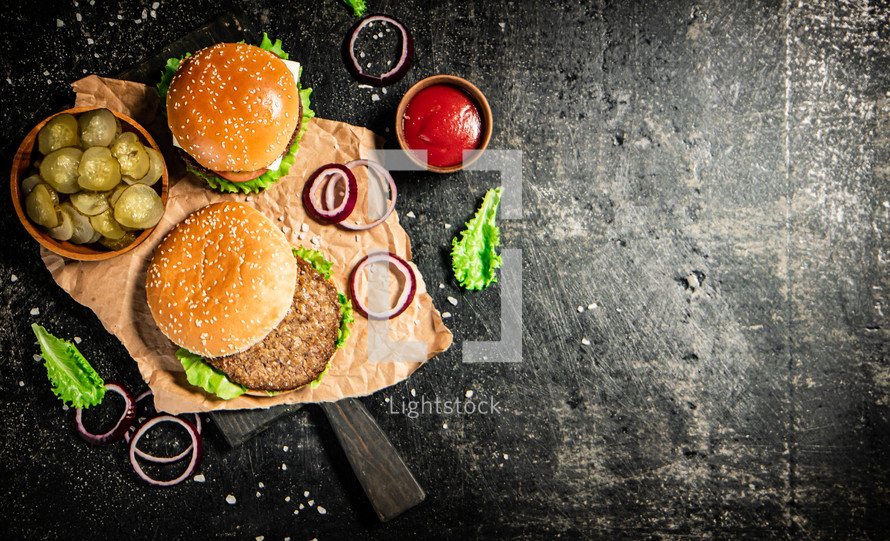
(59, 169)
(83, 229)
(42, 206)
(139, 207)
(155, 169)
(106, 225)
(130, 152)
(90, 203)
(98, 170)
(58, 133)
(98, 128)
(29, 183)
(116, 193)
(65, 229)
(118, 244)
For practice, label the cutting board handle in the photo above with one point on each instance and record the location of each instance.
(380, 469)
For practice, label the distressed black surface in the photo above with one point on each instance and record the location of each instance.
(709, 177)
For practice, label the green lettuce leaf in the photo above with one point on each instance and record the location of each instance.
(474, 256)
(201, 374)
(346, 320)
(317, 260)
(269, 177)
(73, 379)
(358, 7)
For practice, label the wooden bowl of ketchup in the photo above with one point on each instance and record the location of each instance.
(443, 123)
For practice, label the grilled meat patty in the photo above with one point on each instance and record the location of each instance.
(296, 351)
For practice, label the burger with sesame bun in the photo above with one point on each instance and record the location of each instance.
(250, 313)
(236, 113)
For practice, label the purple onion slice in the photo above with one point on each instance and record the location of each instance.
(195, 448)
(332, 174)
(405, 297)
(120, 428)
(392, 189)
(401, 67)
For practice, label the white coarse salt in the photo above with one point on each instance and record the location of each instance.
(375, 97)
(322, 510)
(59, 23)
(441, 286)
(35, 311)
(447, 226)
(410, 214)
(452, 300)
(306, 494)
(258, 493)
(261, 485)
(585, 341)
(311, 503)
(284, 466)
(77, 340)
(413, 392)
(199, 478)
(231, 499)
(446, 315)
(591, 306)
(13, 278)
(37, 357)
(301, 507)
(580, 309)
(285, 448)
(468, 394)
(21, 384)
(304, 227)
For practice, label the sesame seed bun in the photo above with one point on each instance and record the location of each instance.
(221, 280)
(233, 107)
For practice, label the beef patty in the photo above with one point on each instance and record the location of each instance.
(298, 350)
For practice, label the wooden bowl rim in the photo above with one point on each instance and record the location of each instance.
(25, 156)
(477, 96)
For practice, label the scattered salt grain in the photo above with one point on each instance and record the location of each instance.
(413, 392)
(441, 286)
(37, 357)
(259, 538)
(285, 229)
(506, 456)
(155, 5)
(261, 485)
(452, 300)
(304, 227)
(357, 239)
(285, 448)
(90, 41)
(65, 407)
(585, 341)
(322, 510)
(301, 507)
(281, 218)
(386, 400)
(410, 214)
(468, 394)
(375, 97)
(580, 309)
(35, 311)
(301, 236)
(249, 198)
(447, 226)
(416, 322)
(446, 315)
(21, 384)
(78, 16)
(231, 499)
(284, 467)
(311, 503)
(287, 499)
(296, 512)
(13, 278)
(258, 493)
(77, 340)
(591, 306)
(502, 25)
(306, 494)
(445, 426)
(59, 23)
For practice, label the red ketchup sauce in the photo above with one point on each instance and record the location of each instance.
(444, 121)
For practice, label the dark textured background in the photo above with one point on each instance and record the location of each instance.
(710, 177)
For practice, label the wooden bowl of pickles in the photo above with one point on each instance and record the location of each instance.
(89, 183)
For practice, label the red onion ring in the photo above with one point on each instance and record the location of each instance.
(406, 296)
(195, 449)
(392, 189)
(163, 460)
(120, 428)
(401, 67)
(313, 204)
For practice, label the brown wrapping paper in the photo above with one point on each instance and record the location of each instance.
(115, 289)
